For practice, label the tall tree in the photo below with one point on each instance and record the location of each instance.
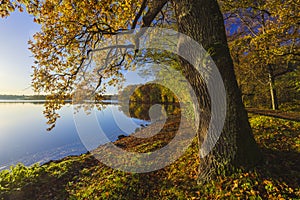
(70, 29)
(203, 21)
(264, 38)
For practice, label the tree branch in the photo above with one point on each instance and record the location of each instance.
(290, 68)
(156, 7)
(138, 16)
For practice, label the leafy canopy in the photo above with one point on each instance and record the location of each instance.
(262, 35)
(69, 31)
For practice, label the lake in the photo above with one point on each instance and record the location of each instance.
(23, 135)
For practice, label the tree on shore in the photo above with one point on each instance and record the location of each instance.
(70, 29)
(264, 42)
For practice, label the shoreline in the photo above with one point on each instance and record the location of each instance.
(84, 177)
(123, 141)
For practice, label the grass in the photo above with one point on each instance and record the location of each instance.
(83, 177)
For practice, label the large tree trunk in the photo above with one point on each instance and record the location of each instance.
(236, 147)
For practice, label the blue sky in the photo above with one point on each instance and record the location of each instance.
(15, 58)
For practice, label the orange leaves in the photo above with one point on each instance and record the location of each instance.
(260, 35)
(6, 6)
(69, 29)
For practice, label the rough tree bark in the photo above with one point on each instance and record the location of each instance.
(236, 147)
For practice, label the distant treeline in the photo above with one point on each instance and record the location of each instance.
(44, 97)
(22, 97)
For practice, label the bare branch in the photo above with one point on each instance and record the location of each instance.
(247, 25)
(124, 46)
(290, 68)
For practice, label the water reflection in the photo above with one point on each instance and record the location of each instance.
(23, 135)
(141, 111)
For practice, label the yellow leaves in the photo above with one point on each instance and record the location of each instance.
(235, 184)
(68, 6)
(253, 192)
(271, 32)
(267, 182)
(36, 20)
(6, 7)
(68, 29)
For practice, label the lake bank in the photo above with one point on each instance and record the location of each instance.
(83, 177)
(24, 136)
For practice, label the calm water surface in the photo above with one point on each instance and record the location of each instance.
(23, 135)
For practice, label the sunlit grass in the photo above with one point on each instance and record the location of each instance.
(83, 177)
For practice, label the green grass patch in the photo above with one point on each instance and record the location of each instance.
(83, 177)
